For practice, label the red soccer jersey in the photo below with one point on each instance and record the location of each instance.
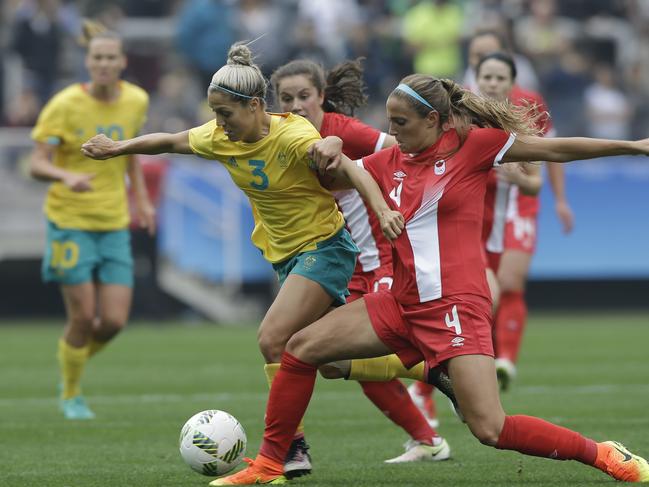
(359, 140)
(529, 205)
(441, 197)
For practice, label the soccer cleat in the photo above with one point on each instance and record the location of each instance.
(298, 460)
(259, 471)
(76, 408)
(505, 372)
(425, 403)
(614, 459)
(420, 452)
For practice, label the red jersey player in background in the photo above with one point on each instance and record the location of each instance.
(439, 308)
(327, 100)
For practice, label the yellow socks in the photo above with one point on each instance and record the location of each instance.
(94, 346)
(271, 371)
(383, 369)
(71, 362)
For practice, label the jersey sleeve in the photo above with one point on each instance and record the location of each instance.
(201, 140)
(360, 139)
(486, 147)
(50, 126)
(142, 115)
(300, 137)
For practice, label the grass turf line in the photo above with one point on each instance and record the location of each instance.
(588, 373)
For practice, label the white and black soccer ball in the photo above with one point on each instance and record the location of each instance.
(212, 442)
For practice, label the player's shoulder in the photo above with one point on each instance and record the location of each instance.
(133, 92)
(289, 123)
(73, 93)
(383, 157)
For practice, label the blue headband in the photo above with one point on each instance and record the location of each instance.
(222, 88)
(406, 89)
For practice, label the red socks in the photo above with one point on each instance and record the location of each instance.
(539, 438)
(510, 324)
(393, 400)
(289, 397)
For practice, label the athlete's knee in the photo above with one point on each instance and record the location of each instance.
(271, 343)
(303, 346)
(486, 429)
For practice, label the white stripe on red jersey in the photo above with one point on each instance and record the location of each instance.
(359, 140)
(440, 193)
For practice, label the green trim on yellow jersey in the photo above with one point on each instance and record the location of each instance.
(292, 211)
(70, 118)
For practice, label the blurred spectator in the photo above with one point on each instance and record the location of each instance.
(36, 37)
(173, 106)
(265, 23)
(333, 20)
(432, 28)
(22, 110)
(607, 107)
(205, 32)
(306, 44)
(543, 35)
(563, 87)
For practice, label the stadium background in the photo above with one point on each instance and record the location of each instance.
(586, 57)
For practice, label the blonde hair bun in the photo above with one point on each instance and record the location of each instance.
(240, 54)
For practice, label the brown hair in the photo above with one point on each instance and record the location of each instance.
(91, 29)
(343, 86)
(461, 108)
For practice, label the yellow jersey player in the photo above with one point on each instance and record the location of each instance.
(298, 228)
(88, 243)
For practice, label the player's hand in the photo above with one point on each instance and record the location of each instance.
(99, 147)
(392, 223)
(146, 215)
(326, 153)
(566, 217)
(510, 173)
(78, 182)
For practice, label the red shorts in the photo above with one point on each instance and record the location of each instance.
(491, 259)
(520, 233)
(434, 331)
(363, 283)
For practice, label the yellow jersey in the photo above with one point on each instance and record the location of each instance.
(292, 211)
(70, 118)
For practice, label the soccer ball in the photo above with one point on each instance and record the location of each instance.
(212, 442)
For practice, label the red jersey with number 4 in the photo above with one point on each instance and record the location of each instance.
(359, 140)
(529, 205)
(441, 197)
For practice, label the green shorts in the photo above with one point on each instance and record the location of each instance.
(331, 265)
(75, 256)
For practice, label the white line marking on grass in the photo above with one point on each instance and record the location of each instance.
(320, 395)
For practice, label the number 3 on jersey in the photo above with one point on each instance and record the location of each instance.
(258, 172)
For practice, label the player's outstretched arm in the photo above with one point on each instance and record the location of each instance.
(565, 149)
(101, 147)
(391, 221)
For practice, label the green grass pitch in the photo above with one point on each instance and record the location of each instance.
(586, 372)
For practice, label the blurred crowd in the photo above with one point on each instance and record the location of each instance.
(585, 56)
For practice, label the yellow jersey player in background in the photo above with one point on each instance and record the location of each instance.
(298, 228)
(88, 242)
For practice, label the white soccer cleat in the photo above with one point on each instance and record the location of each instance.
(420, 452)
(505, 372)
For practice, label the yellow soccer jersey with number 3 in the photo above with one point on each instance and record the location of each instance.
(292, 211)
(70, 118)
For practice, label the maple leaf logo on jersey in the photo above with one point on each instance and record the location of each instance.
(440, 167)
(399, 175)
